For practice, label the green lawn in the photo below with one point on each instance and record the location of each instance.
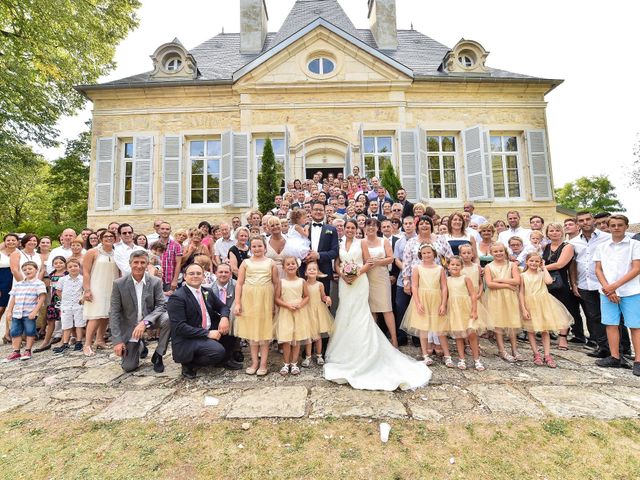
(39, 448)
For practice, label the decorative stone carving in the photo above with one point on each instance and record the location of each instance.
(172, 61)
(467, 57)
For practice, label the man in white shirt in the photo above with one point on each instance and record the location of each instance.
(223, 244)
(470, 207)
(618, 270)
(513, 219)
(122, 251)
(154, 237)
(64, 250)
(585, 284)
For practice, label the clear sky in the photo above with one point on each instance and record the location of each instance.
(593, 117)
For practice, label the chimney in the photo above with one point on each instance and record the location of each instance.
(253, 25)
(382, 18)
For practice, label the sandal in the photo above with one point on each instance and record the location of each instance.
(88, 351)
(447, 361)
(319, 359)
(517, 357)
(284, 371)
(462, 365)
(101, 346)
(261, 372)
(6, 340)
(507, 357)
(427, 360)
(563, 348)
(479, 366)
(548, 359)
(537, 359)
(251, 370)
(306, 363)
(295, 370)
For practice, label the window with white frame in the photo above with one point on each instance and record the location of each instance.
(278, 151)
(439, 175)
(127, 173)
(204, 160)
(505, 166)
(378, 151)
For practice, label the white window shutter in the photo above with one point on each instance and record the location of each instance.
(287, 167)
(422, 169)
(347, 161)
(240, 170)
(486, 158)
(172, 172)
(105, 153)
(409, 163)
(226, 168)
(142, 172)
(361, 137)
(475, 164)
(539, 165)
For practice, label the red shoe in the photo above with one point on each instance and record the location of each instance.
(13, 356)
(548, 359)
(26, 355)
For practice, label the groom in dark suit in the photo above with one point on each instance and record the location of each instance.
(324, 245)
(199, 326)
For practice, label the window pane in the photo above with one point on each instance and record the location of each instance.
(498, 190)
(450, 191)
(383, 161)
(213, 148)
(384, 144)
(448, 144)
(327, 65)
(435, 176)
(213, 195)
(512, 176)
(510, 144)
(127, 184)
(369, 145)
(128, 150)
(128, 169)
(450, 176)
(436, 191)
(278, 146)
(196, 196)
(496, 162)
(514, 190)
(259, 146)
(512, 161)
(197, 167)
(212, 181)
(213, 167)
(496, 144)
(434, 163)
(196, 181)
(432, 144)
(449, 162)
(369, 163)
(314, 66)
(196, 148)
(127, 198)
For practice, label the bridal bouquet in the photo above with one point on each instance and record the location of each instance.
(350, 269)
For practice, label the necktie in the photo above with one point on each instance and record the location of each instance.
(317, 225)
(223, 294)
(203, 309)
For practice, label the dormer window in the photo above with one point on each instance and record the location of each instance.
(173, 64)
(321, 66)
(467, 59)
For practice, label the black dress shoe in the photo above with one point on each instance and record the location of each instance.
(158, 364)
(624, 363)
(636, 369)
(578, 340)
(591, 343)
(609, 362)
(56, 340)
(522, 337)
(145, 351)
(238, 356)
(232, 365)
(627, 354)
(188, 372)
(42, 349)
(403, 341)
(415, 341)
(599, 353)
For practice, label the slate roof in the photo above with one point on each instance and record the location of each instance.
(219, 57)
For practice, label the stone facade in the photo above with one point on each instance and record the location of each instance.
(322, 119)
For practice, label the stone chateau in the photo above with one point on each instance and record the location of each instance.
(183, 141)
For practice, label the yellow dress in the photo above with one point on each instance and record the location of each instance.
(459, 309)
(502, 303)
(255, 323)
(473, 272)
(420, 324)
(320, 320)
(292, 326)
(548, 314)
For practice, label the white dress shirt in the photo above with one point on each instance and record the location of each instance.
(121, 255)
(584, 253)
(196, 293)
(315, 236)
(58, 252)
(139, 286)
(615, 259)
(222, 246)
(523, 233)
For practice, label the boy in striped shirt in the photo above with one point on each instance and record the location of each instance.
(27, 298)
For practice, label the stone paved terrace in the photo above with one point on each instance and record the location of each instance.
(76, 386)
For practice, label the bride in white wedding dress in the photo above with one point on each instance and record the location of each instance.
(358, 351)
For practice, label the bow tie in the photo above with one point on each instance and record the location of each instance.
(317, 225)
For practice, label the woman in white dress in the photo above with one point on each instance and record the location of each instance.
(358, 352)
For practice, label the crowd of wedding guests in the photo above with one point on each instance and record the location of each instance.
(271, 282)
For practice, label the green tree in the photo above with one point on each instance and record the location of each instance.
(47, 47)
(596, 194)
(268, 179)
(24, 196)
(69, 183)
(390, 181)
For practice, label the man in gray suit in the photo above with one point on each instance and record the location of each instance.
(137, 303)
(225, 289)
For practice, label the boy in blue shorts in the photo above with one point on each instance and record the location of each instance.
(27, 298)
(618, 271)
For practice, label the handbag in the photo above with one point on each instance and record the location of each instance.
(558, 283)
